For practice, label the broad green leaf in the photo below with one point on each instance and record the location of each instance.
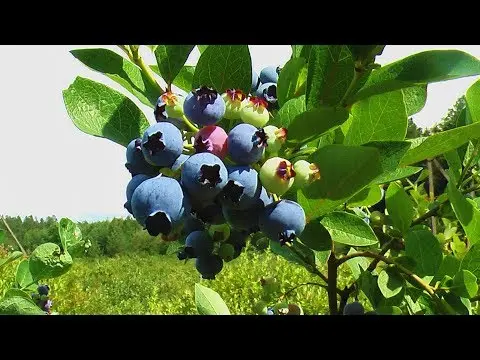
(152, 47)
(472, 154)
(316, 237)
(465, 284)
(19, 293)
(330, 72)
(390, 283)
(301, 51)
(289, 111)
(17, 305)
(311, 124)
(11, 257)
(224, 67)
(450, 266)
(120, 70)
(101, 111)
(290, 80)
(473, 101)
(357, 264)
(170, 60)
(421, 68)
(2, 236)
(209, 302)
(345, 170)
(366, 197)
(440, 143)
(184, 78)
(348, 229)
(466, 212)
(315, 208)
(378, 118)
(321, 257)
(407, 262)
(397, 174)
(49, 261)
(400, 207)
(454, 165)
(367, 283)
(289, 255)
(424, 248)
(471, 261)
(365, 53)
(71, 237)
(389, 310)
(415, 98)
(23, 276)
(202, 48)
(458, 304)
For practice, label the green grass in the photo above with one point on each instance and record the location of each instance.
(165, 285)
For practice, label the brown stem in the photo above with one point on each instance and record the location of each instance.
(332, 284)
(440, 168)
(14, 237)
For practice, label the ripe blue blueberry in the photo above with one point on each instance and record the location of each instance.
(136, 162)
(43, 289)
(204, 106)
(238, 239)
(162, 144)
(210, 213)
(198, 244)
(132, 185)
(161, 115)
(159, 204)
(354, 308)
(242, 189)
(209, 266)
(282, 221)
(268, 92)
(177, 165)
(255, 81)
(269, 74)
(191, 224)
(204, 175)
(246, 144)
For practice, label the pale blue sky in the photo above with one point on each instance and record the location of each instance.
(49, 167)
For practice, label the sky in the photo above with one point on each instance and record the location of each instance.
(49, 167)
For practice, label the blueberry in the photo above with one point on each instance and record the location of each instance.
(159, 204)
(161, 115)
(234, 103)
(238, 239)
(162, 144)
(191, 224)
(277, 175)
(354, 308)
(209, 266)
(177, 165)
(269, 74)
(204, 106)
(226, 252)
(282, 221)
(255, 81)
(255, 112)
(198, 244)
(270, 311)
(210, 213)
(268, 92)
(136, 162)
(246, 144)
(243, 220)
(46, 305)
(212, 139)
(204, 175)
(242, 189)
(43, 290)
(132, 185)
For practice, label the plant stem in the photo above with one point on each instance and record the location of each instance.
(302, 152)
(356, 76)
(137, 59)
(296, 287)
(332, 284)
(440, 168)
(14, 237)
(431, 194)
(190, 126)
(469, 163)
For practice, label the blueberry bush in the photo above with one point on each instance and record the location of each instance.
(310, 157)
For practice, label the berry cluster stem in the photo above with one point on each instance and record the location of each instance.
(190, 126)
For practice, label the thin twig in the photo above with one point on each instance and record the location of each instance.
(14, 237)
(296, 287)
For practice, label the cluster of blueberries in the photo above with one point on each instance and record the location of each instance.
(41, 298)
(210, 188)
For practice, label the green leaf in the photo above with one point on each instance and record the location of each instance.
(397, 174)
(472, 155)
(345, 170)
(152, 47)
(2, 236)
(289, 255)
(465, 284)
(389, 310)
(289, 111)
(473, 101)
(120, 70)
(450, 266)
(173, 248)
(316, 237)
(311, 124)
(48, 261)
(23, 275)
(415, 98)
(454, 165)
(17, 305)
(424, 248)
(440, 143)
(184, 78)
(19, 293)
(466, 212)
(11, 257)
(390, 283)
(223, 67)
(71, 237)
(208, 302)
(367, 283)
(471, 261)
(301, 51)
(422, 68)
(458, 304)
(202, 48)
(348, 229)
(101, 111)
(378, 118)
(400, 207)
(366, 197)
(170, 60)
(357, 264)
(289, 80)
(330, 72)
